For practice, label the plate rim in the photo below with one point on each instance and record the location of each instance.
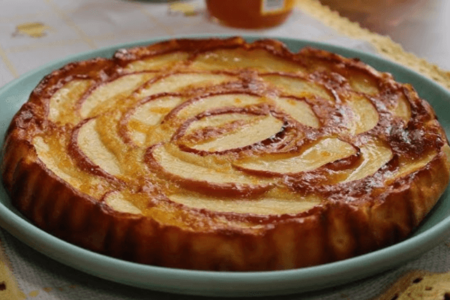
(249, 283)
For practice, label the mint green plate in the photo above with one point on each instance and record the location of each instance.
(434, 229)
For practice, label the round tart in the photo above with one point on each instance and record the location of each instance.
(218, 154)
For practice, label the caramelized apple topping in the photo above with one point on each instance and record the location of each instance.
(239, 129)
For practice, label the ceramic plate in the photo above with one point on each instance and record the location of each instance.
(433, 230)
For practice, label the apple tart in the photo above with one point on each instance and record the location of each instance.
(218, 154)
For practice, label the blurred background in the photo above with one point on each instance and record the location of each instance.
(420, 26)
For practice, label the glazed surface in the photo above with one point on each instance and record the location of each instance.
(242, 149)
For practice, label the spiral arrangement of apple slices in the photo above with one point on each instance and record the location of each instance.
(226, 135)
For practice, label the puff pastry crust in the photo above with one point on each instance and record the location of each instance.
(218, 154)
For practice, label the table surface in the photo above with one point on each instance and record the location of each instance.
(36, 32)
(420, 26)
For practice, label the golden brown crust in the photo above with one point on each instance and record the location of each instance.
(353, 217)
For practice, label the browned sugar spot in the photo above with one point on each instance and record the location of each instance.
(33, 29)
(417, 280)
(186, 9)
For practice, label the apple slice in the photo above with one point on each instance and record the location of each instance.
(148, 115)
(408, 166)
(178, 82)
(232, 59)
(402, 108)
(365, 116)
(375, 154)
(299, 111)
(52, 152)
(199, 105)
(260, 129)
(260, 206)
(151, 113)
(204, 176)
(90, 144)
(107, 94)
(118, 202)
(158, 62)
(298, 87)
(362, 82)
(46, 154)
(323, 152)
(219, 120)
(63, 102)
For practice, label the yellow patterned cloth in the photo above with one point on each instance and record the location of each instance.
(35, 32)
